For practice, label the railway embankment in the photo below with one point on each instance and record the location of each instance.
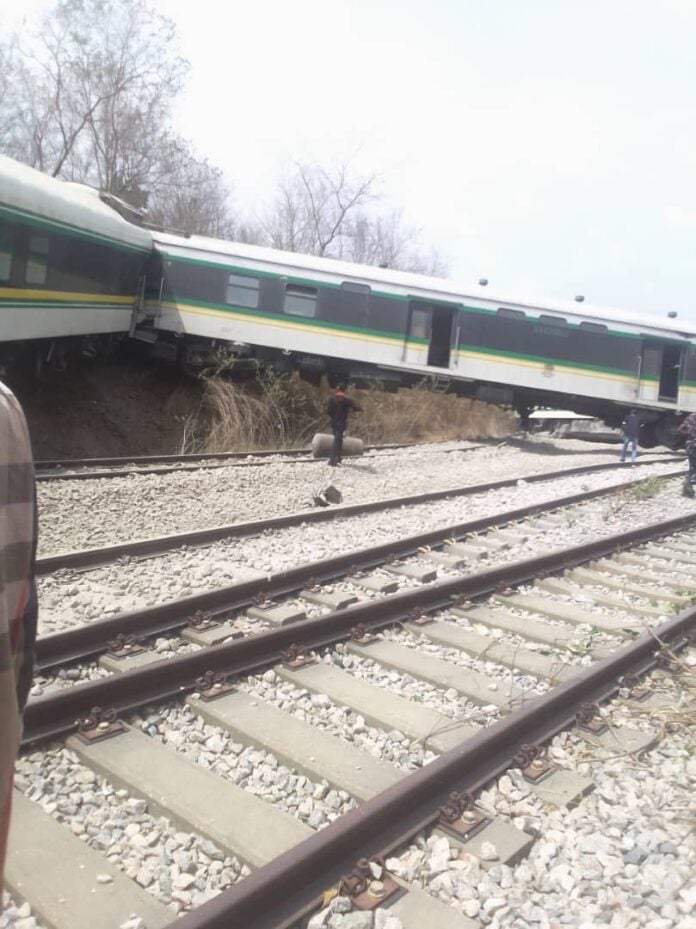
(125, 406)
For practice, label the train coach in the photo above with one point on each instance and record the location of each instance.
(77, 268)
(322, 316)
(71, 267)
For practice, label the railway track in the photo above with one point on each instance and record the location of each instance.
(95, 468)
(521, 681)
(143, 548)
(375, 569)
(103, 468)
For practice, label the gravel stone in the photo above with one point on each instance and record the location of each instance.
(68, 597)
(255, 770)
(577, 873)
(104, 818)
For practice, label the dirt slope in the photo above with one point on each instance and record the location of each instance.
(132, 407)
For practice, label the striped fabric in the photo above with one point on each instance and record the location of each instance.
(18, 606)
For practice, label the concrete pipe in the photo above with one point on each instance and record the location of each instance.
(322, 445)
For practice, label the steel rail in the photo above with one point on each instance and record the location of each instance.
(200, 456)
(127, 467)
(56, 713)
(129, 472)
(211, 463)
(93, 637)
(93, 557)
(278, 894)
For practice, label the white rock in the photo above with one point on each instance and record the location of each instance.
(493, 904)
(386, 920)
(439, 857)
(184, 881)
(488, 852)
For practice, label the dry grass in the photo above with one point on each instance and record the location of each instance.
(285, 412)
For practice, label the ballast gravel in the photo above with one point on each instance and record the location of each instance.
(500, 676)
(179, 868)
(317, 709)
(67, 597)
(312, 802)
(14, 915)
(624, 858)
(448, 702)
(87, 514)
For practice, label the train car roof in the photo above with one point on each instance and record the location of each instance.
(421, 286)
(50, 203)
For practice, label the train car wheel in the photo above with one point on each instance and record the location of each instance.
(647, 437)
(666, 431)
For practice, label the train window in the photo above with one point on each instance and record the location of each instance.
(553, 321)
(5, 254)
(242, 290)
(505, 312)
(419, 324)
(355, 303)
(300, 301)
(352, 288)
(593, 327)
(37, 260)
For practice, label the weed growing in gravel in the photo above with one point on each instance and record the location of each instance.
(647, 488)
(585, 645)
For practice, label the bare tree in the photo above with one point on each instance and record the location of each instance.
(88, 97)
(386, 240)
(191, 195)
(313, 207)
(335, 215)
(86, 81)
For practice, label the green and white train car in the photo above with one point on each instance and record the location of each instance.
(325, 316)
(70, 265)
(73, 270)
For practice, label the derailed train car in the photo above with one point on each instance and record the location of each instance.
(71, 268)
(75, 272)
(210, 298)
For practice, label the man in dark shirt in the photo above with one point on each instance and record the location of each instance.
(631, 430)
(688, 427)
(338, 408)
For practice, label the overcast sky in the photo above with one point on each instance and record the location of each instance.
(547, 145)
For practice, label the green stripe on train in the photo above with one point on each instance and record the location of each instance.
(14, 214)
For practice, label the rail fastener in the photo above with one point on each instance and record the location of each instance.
(369, 884)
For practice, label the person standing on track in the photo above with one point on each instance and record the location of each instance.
(338, 408)
(688, 427)
(18, 604)
(631, 431)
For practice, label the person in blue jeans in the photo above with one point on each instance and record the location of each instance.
(631, 429)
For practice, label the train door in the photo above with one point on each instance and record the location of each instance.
(659, 371)
(429, 334)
